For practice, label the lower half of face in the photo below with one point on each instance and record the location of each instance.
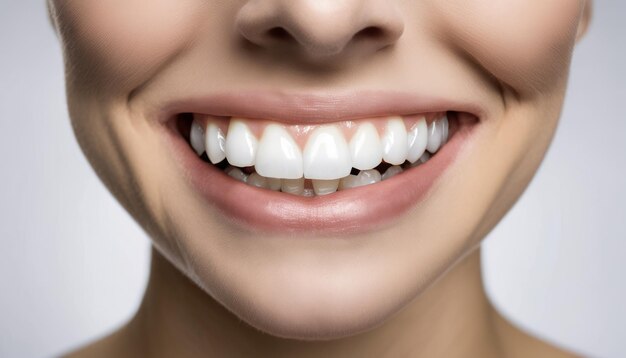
(315, 173)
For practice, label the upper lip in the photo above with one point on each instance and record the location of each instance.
(296, 108)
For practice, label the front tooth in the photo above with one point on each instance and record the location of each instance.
(392, 171)
(395, 142)
(237, 174)
(417, 140)
(435, 131)
(326, 155)
(365, 147)
(241, 144)
(325, 187)
(196, 137)
(292, 186)
(214, 143)
(278, 155)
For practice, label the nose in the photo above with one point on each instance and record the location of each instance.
(320, 28)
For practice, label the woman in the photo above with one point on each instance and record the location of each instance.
(317, 176)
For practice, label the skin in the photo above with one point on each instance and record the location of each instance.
(409, 289)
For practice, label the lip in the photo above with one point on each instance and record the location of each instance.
(295, 108)
(344, 212)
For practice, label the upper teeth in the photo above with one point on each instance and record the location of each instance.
(395, 142)
(366, 150)
(278, 155)
(241, 145)
(215, 143)
(326, 156)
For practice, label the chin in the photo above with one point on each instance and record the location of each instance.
(321, 288)
(309, 304)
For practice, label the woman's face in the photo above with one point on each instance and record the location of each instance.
(305, 78)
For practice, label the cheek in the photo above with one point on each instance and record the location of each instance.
(523, 43)
(123, 40)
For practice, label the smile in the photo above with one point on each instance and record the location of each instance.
(313, 160)
(316, 176)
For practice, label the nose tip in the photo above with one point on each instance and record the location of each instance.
(320, 28)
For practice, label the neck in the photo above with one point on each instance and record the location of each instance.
(452, 318)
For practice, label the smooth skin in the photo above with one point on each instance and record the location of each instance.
(410, 289)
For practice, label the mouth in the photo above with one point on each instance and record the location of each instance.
(316, 176)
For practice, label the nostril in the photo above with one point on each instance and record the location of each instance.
(320, 31)
(278, 33)
(370, 32)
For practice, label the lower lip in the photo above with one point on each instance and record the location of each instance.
(347, 212)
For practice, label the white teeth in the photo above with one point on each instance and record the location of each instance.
(423, 159)
(392, 171)
(417, 139)
(293, 186)
(395, 141)
(236, 173)
(326, 155)
(196, 137)
(365, 177)
(327, 159)
(325, 187)
(257, 180)
(214, 142)
(278, 155)
(365, 147)
(446, 126)
(241, 144)
(435, 134)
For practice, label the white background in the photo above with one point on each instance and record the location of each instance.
(73, 265)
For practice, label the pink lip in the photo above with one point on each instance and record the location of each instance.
(344, 212)
(313, 108)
